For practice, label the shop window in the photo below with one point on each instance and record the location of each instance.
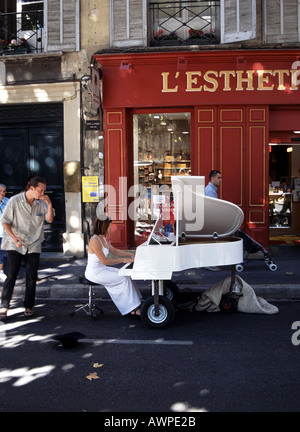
(162, 148)
(284, 187)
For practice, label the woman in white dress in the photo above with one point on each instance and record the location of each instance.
(122, 290)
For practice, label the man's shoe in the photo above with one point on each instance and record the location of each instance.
(3, 313)
(29, 312)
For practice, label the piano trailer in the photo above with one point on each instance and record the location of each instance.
(204, 228)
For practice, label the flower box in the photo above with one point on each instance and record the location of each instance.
(14, 47)
(167, 42)
(17, 51)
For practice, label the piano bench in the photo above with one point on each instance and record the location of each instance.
(89, 308)
(83, 280)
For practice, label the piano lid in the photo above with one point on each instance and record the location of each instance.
(200, 216)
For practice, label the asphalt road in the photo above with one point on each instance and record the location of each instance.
(204, 362)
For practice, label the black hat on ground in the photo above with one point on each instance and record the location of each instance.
(69, 340)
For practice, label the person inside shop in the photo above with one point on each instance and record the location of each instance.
(3, 202)
(215, 179)
(23, 221)
(122, 290)
(211, 190)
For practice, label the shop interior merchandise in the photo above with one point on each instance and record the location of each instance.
(284, 193)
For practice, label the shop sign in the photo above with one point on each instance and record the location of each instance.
(92, 125)
(205, 79)
(72, 176)
(231, 80)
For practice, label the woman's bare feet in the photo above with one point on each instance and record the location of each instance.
(136, 312)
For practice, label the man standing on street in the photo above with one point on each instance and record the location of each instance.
(215, 179)
(23, 222)
(3, 202)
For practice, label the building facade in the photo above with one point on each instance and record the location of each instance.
(199, 86)
(45, 101)
(112, 97)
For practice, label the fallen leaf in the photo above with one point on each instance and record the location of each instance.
(92, 376)
(97, 365)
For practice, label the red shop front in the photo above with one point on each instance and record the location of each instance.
(190, 112)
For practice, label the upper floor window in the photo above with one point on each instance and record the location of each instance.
(201, 22)
(31, 23)
(160, 22)
(281, 21)
(32, 14)
(21, 26)
(37, 26)
(184, 22)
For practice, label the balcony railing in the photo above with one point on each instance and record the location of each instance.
(185, 23)
(21, 32)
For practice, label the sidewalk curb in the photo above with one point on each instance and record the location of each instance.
(80, 292)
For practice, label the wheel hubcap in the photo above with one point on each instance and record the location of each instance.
(162, 315)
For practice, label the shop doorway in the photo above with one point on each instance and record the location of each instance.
(161, 148)
(284, 192)
(284, 175)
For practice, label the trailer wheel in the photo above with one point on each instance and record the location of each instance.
(273, 267)
(239, 267)
(171, 290)
(165, 316)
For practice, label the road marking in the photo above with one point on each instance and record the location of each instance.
(136, 341)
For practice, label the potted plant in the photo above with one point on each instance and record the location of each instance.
(210, 34)
(165, 39)
(159, 35)
(195, 34)
(13, 47)
(201, 36)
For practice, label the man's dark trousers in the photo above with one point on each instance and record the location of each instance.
(14, 260)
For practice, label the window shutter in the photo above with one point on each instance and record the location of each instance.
(2, 74)
(128, 23)
(238, 20)
(281, 21)
(62, 31)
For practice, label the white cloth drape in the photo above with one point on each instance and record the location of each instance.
(248, 302)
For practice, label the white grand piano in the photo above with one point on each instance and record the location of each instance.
(203, 238)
